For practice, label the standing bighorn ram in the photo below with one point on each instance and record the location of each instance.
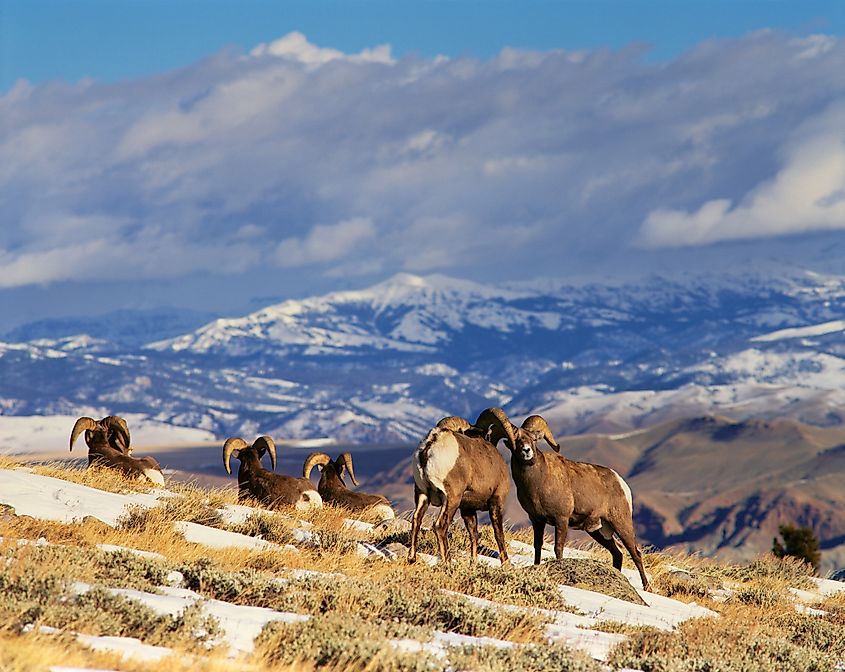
(457, 466)
(556, 491)
(333, 490)
(109, 446)
(254, 481)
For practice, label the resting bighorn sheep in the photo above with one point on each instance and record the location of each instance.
(457, 467)
(332, 488)
(565, 493)
(109, 446)
(254, 481)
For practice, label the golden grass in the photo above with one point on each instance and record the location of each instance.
(31, 652)
(35, 652)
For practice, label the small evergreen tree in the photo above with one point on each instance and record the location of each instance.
(798, 542)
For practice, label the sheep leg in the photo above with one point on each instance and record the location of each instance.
(539, 529)
(471, 521)
(441, 526)
(611, 545)
(629, 540)
(561, 530)
(497, 521)
(419, 511)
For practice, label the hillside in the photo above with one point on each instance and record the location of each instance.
(103, 573)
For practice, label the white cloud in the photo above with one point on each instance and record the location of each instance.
(814, 46)
(325, 243)
(296, 46)
(806, 194)
(526, 164)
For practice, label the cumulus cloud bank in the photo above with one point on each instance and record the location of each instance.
(806, 194)
(298, 155)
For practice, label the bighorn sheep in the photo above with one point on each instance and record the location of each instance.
(456, 467)
(109, 446)
(332, 488)
(565, 493)
(254, 481)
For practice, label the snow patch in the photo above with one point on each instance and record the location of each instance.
(802, 332)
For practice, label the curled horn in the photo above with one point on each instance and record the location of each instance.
(263, 443)
(118, 425)
(535, 423)
(495, 425)
(345, 460)
(80, 426)
(232, 444)
(314, 459)
(454, 423)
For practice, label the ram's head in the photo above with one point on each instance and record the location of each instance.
(522, 441)
(325, 464)
(239, 449)
(112, 429)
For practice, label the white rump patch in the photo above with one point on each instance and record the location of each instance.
(155, 476)
(310, 500)
(626, 490)
(419, 476)
(442, 455)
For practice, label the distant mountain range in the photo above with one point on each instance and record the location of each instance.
(755, 358)
(383, 363)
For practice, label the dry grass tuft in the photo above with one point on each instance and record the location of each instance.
(98, 477)
(590, 575)
(529, 658)
(788, 571)
(338, 642)
(747, 638)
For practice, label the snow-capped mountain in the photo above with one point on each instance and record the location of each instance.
(405, 314)
(383, 363)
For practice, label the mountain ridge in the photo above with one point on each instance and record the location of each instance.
(366, 363)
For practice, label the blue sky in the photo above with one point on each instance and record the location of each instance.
(115, 39)
(144, 163)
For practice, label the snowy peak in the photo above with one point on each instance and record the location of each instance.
(406, 313)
